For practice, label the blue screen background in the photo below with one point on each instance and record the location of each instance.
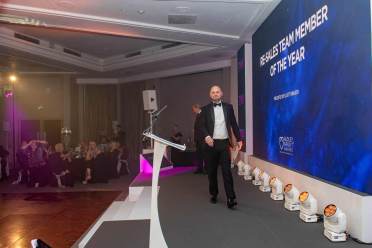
(330, 120)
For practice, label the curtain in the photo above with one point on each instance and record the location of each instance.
(99, 110)
(133, 120)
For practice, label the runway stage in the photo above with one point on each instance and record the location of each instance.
(189, 220)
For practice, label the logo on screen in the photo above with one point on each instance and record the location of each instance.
(286, 145)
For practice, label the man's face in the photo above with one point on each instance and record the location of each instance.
(215, 94)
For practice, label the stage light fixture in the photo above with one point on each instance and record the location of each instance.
(334, 223)
(256, 172)
(240, 165)
(265, 182)
(38, 243)
(276, 189)
(292, 202)
(308, 207)
(13, 78)
(247, 169)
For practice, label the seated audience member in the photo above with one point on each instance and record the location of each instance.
(77, 166)
(81, 150)
(58, 164)
(100, 168)
(22, 160)
(89, 158)
(68, 177)
(4, 170)
(119, 135)
(113, 159)
(36, 163)
(104, 143)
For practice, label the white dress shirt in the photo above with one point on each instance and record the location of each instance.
(220, 130)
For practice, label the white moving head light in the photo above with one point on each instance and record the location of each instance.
(247, 170)
(334, 223)
(308, 207)
(256, 172)
(241, 165)
(276, 189)
(292, 203)
(265, 182)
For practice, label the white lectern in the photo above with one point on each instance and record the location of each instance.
(156, 235)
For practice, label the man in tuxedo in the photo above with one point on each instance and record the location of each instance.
(198, 139)
(218, 125)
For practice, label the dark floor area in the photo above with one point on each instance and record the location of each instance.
(189, 220)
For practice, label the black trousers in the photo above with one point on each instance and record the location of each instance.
(219, 154)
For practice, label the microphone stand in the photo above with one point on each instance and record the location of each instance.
(153, 118)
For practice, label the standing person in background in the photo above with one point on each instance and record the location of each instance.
(198, 139)
(218, 125)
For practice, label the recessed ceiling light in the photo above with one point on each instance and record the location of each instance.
(182, 9)
(141, 11)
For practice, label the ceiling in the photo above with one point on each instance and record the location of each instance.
(101, 46)
(105, 33)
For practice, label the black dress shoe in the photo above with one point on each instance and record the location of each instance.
(231, 203)
(213, 199)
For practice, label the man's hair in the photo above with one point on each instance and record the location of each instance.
(215, 86)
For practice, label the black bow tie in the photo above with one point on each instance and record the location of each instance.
(217, 104)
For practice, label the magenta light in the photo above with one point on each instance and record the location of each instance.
(145, 166)
(164, 173)
(8, 94)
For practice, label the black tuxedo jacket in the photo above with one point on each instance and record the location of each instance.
(207, 121)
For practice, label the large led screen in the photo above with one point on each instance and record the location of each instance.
(312, 90)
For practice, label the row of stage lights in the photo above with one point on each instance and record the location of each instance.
(334, 218)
